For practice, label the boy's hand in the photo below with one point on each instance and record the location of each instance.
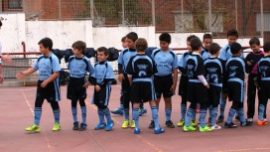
(97, 88)
(20, 75)
(207, 86)
(44, 84)
(121, 77)
(249, 63)
(1, 79)
(86, 85)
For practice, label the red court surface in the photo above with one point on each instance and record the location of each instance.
(16, 112)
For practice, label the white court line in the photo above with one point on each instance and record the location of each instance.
(246, 150)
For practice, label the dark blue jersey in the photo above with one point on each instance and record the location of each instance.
(214, 68)
(194, 67)
(264, 69)
(142, 68)
(235, 69)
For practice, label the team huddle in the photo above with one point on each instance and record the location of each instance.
(209, 75)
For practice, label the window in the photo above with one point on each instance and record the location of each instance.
(266, 20)
(217, 22)
(184, 24)
(14, 4)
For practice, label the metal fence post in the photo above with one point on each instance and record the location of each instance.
(153, 13)
(123, 12)
(262, 20)
(92, 10)
(59, 9)
(210, 15)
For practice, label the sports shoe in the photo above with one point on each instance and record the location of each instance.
(169, 124)
(118, 111)
(216, 127)
(220, 119)
(205, 129)
(137, 131)
(193, 123)
(159, 131)
(83, 127)
(230, 125)
(181, 123)
(76, 126)
(250, 121)
(132, 124)
(125, 124)
(189, 128)
(261, 123)
(151, 125)
(109, 126)
(56, 127)
(100, 126)
(33, 129)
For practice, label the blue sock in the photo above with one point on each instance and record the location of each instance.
(56, 114)
(136, 116)
(155, 117)
(213, 115)
(202, 117)
(232, 112)
(38, 112)
(222, 106)
(126, 114)
(261, 112)
(101, 116)
(168, 112)
(107, 115)
(241, 115)
(74, 114)
(183, 111)
(84, 114)
(189, 116)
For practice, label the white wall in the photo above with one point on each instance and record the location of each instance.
(12, 32)
(63, 33)
(111, 36)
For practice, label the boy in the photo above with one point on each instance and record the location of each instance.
(101, 78)
(225, 55)
(183, 85)
(47, 86)
(122, 76)
(264, 83)
(235, 78)
(141, 69)
(78, 66)
(197, 87)
(165, 79)
(207, 41)
(252, 69)
(214, 68)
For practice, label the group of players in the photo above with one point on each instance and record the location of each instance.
(209, 74)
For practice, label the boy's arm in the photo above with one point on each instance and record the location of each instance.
(25, 73)
(175, 78)
(1, 74)
(53, 77)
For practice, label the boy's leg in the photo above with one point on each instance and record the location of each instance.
(222, 106)
(136, 113)
(74, 111)
(251, 96)
(56, 111)
(84, 111)
(155, 118)
(38, 110)
(168, 112)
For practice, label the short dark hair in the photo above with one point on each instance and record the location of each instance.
(254, 40)
(80, 45)
(1, 23)
(166, 37)
(214, 48)
(195, 43)
(207, 36)
(132, 36)
(46, 42)
(236, 48)
(232, 32)
(123, 39)
(189, 38)
(266, 46)
(141, 44)
(104, 50)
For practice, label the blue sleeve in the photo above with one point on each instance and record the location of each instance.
(222, 55)
(120, 59)
(109, 73)
(90, 68)
(55, 63)
(175, 61)
(35, 65)
(181, 61)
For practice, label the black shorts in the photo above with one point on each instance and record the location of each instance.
(125, 90)
(101, 99)
(183, 86)
(163, 86)
(142, 92)
(264, 91)
(197, 93)
(75, 90)
(214, 95)
(236, 91)
(51, 92)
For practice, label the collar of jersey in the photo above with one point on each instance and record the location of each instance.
(50, 54)
(103, 62)
(132, 50)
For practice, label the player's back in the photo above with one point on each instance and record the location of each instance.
(235, 68)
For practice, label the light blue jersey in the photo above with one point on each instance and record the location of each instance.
(166, 62)
(125, 57)
(205, 54)
(225, 53)
(103, 72)
(79, 67)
